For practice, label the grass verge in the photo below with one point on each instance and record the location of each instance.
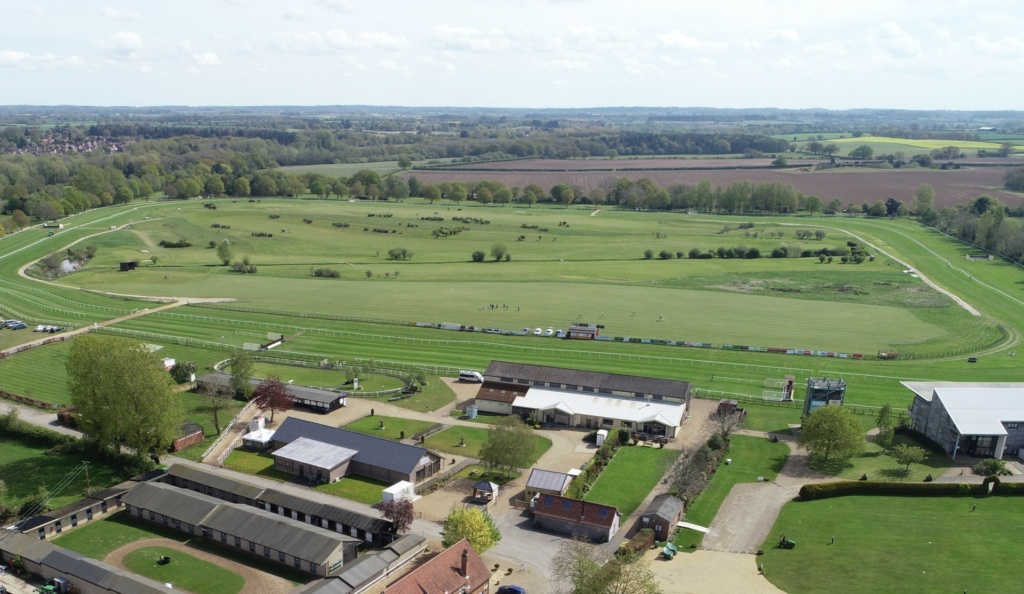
(630, 476)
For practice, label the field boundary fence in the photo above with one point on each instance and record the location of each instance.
(1003, 335)
(313, 315)
(744, 398)
(445, 477)
(227, 430)
(60, 299)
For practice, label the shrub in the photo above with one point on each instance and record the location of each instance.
(990, 467)
(779, 252)
(479, 256)
(812, 492)
(274, 216)
(181, 243)
(716, 442)
(694, 254)
(752, 253)
(648, 254)
(326, 273)
(664, 255)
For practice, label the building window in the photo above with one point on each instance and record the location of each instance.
(266, 551)
(252, 547)
(585, 389)
(223, 536)
(659, 397)
(607, 422)
(603, 391)
(152, 516)
(626, 424)
(191, 529)
(571, 387)
(163, 520)
(298, 563)
(312, 567)
(280, 556)
(238, 541)
(1011, 425)
(657, 527)
(567, 504)
(538, 383)
(507, 380)
(74, 520)
(523, 381)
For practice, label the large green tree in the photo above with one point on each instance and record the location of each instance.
(241, 371)
(123, 394)
(509, 444)
(474, 525)
(582, 568)
(832, 435)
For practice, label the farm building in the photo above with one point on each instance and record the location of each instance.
(283, 540)
(662, 515)
(338, 519)
(547, 482)
(597, 522)
(584, 399)
(508, 375)
(455, 569)
(980, 419)
(92, 507)
(375, 457)
(213, 484)
(369, 528)
(369, 569)
(323, 401)
(85, 575)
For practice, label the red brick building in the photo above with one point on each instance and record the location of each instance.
(456, 570)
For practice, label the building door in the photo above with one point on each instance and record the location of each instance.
(981, 446)
(588, 423)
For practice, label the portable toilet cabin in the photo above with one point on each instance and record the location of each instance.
(601, 436)
(471, 411)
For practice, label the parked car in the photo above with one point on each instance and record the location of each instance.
(511, 590)
(549, 332)
(559, 333)
(40, 328)
(16, 324)
(538, 332)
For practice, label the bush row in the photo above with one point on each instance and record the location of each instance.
(325, 273)
(839, 489)
(181, 243)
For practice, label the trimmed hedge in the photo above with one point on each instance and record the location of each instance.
(839, 489)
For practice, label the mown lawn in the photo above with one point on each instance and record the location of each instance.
(394, 427)
(897, 544)
(475, 437)
(256, 463)
(436, 394)
(752, 457)
(357, 488)
(880, 466)
(184, 571)
(630, 476)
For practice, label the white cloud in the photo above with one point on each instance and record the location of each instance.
(676, 39)
(295, 14)
(889, 38)
(567, 65)
(387, 65)
(207, 59)
(12, 58)
(118, 15)
(343, 6)
(123, 45)
(472, 40)
(783, 64)
(836, 48)
(782, 36)
(43, 61)
(1007, 47)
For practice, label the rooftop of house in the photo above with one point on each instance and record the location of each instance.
(444, 573)
(576, 510)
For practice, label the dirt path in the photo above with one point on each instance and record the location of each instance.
(750, 510)
(256, 582)
(707, 572)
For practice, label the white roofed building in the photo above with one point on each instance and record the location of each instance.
(974, 418)
(596, 411)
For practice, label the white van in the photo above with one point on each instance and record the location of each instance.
(471, 376)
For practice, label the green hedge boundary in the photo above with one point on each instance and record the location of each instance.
(817, 491)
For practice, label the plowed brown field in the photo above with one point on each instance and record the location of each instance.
(849, 185)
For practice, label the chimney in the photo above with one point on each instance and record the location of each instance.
(465, 562)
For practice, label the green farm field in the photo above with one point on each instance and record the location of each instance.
(885, 544)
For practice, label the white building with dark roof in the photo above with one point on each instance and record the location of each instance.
(980, 419)
(585, 399)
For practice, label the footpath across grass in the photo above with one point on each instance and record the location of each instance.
(630, 476)
(752, 457)
(897, 544)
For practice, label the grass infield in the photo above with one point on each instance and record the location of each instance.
(357, 488)
(184, 571)
(394, 427)
(448, 441)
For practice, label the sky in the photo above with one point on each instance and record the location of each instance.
(905, 54)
